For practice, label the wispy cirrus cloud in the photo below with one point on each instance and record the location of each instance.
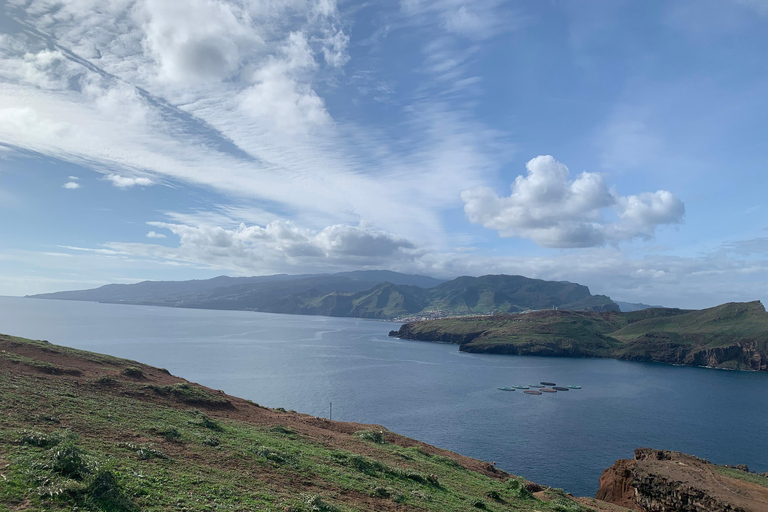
(144, 92)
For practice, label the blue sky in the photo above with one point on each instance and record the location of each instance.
(618, 144)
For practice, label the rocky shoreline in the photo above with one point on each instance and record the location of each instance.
(667, 481)
(733, 336)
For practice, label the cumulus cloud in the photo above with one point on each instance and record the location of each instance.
(128, 181)
(279, 96)
(153, 234)
(197, 39)
(71, 185)
(554, 210)
(279, 246)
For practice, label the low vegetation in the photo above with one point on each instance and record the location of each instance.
(733, 335)
(107, 439)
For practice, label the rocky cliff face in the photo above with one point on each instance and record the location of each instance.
(664, 481)
(406, 332)
(663, 348)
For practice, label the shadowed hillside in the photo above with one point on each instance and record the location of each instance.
(363, 294)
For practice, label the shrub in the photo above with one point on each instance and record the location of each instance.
(106, 380)
(39, 439)
(316, 504)
(282, 429)
(169, 433)
(190, 394)
(105, 492)
(494, 495)
(381, 492)
(375, 436)
(211, 441)
(202, 420)
(519, 489)
(365, 465)
(133, 372)
(145, 452)
(274, 455)
(67, 461)
(479, 504)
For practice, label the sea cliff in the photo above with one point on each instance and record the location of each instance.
(667, 481)
(729, 336)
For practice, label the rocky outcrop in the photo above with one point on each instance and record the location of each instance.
(665, 481)
(407, 332)
(666, 348)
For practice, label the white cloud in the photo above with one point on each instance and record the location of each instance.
(71, 185)
(279, 97)
(278, 246)
(283, 247)
(128, 182)
(197, 39)
(73, 178)
(555, 211)
(153, 234)
(257, 131)
(477, 19)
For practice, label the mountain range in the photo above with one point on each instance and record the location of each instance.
(364, 294)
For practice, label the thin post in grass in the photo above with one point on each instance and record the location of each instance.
(330, 414)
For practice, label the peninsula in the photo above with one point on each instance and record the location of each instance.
(732, 336)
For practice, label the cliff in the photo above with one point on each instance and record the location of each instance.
(665, 481)
(730, 336)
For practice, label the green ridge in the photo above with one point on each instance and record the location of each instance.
(733, 335)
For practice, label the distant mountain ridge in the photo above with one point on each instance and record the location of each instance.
(363, 294)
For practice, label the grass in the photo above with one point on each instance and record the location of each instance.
(742, 475)
(131, 446)
(732, 336)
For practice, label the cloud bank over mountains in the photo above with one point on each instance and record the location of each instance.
(262, 136)
(279, 246)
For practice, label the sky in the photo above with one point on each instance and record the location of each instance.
(620, 144)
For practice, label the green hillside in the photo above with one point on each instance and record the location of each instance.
(83, 431)
(462, 296)
(733, 335)
(353, 294)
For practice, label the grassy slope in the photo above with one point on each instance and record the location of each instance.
(337, 295)
(578, 333)
(653, 334)
(708, 327)
(91, 432)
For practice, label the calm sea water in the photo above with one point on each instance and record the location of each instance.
(430, 391)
